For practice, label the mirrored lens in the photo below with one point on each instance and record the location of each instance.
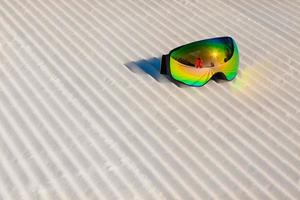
(195, 63)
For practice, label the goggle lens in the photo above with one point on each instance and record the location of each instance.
(195, 63)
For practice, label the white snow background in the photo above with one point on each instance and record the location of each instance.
(85, 115)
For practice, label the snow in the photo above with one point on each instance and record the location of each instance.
(85, 114)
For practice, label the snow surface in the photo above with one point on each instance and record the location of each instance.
(84, 113)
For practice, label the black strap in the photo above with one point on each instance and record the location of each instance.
(163, 64)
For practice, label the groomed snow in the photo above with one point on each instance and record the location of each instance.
(85, 115)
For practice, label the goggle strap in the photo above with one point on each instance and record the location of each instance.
(163, 64)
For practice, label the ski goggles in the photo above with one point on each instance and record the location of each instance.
(196, 63)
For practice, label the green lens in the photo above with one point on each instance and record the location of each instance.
(195, 63)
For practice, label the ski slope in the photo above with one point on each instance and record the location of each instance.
(84, 113)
